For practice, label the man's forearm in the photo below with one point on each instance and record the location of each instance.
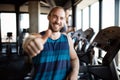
(75, 70)
(75, 66)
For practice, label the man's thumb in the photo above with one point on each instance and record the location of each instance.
(46, 35)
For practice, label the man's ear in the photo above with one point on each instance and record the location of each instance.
(48, 17)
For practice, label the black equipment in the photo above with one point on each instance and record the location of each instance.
(81, 43)
(108, 40)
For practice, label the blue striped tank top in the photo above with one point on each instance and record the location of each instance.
(53, 63)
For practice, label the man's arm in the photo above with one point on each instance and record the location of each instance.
(74, 61)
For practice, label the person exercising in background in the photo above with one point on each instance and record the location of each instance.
(52, 52)
(67, 28)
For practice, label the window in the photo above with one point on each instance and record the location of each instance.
(119, 12)
(43, 22)
(85, 18)
(108, 13)
(24, 21)
(78, 17)
(95, 17)
(8, 25)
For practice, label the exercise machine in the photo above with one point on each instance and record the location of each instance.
(108, 40)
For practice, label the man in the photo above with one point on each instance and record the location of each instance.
(52, 52)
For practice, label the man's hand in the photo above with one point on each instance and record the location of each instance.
(34, 43)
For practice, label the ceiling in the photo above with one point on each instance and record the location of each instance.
(17, 2)
(44, 3)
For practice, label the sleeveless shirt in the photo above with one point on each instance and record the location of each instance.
(53, 62)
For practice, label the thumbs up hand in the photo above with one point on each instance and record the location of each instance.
(34, 43)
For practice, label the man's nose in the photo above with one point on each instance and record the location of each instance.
(58, 20)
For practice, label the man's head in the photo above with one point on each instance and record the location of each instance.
(56, 19)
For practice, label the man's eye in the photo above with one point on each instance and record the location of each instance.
(54, 16)
(61, 18)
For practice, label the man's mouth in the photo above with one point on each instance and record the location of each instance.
(56, 24)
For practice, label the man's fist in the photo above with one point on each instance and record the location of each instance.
(34, 43)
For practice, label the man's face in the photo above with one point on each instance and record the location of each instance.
(56, 20)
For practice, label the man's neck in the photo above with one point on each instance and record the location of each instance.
(55, 35)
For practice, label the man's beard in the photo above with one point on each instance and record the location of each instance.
(53, 30)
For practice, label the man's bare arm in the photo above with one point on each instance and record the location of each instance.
(74, 61)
